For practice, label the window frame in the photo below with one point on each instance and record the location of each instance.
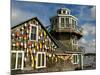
(74, 39)
(64, 11)
(36, 32)
(74, 23)
(67, 24)
(62, 23)
(73, 43)
(16, 62)
(41, 66)
(76, 62)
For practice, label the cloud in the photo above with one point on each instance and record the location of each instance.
(89, 45)
(89, 29)
(88, 39)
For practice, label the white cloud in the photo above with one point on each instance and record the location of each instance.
(89, 29)
(83, 41)
(89, 45)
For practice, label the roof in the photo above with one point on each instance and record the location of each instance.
(64, 9)
(41, 26)
(64, 50)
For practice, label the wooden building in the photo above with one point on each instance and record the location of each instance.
(64, 27)
(31, 45)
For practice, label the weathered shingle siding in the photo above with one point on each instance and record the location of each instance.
(20, 39)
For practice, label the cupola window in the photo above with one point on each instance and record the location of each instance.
(62, 22)
(67, 22)
(73, 23)
(64, 11)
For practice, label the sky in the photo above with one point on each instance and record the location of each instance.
(86, 14)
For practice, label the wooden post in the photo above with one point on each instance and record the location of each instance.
(82, 61)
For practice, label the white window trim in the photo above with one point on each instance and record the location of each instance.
(77, 59)
(36, 32)
(61, 23)
(70, 20)
(22, 63)
(41, 60)
(74, 20)
(73, 44)
(66, 22)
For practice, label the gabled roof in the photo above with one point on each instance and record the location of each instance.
(41, 26)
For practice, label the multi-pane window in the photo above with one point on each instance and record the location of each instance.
(62, 22)
(41, 60)
(75, 59)
(75, 43)
(33, 32)
(17, 58)
(73, 23)
(67, 22)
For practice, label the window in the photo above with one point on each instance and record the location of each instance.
(67, 22)
(17, 58)
(74, 43)
(75, 59)
(33, 32)
(41, 60)
(62, 22)
(73, 23)
(13, 60)
(64, 11)
(74, 40)
(68, 12)
(59, 12)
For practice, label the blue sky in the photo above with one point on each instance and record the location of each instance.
(86, 15)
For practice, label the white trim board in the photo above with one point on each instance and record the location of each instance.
(41, 60)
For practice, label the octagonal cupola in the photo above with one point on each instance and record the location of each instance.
(63, 11)
(65, 22)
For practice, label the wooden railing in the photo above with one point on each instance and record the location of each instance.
(70, 28)
(67, 28)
